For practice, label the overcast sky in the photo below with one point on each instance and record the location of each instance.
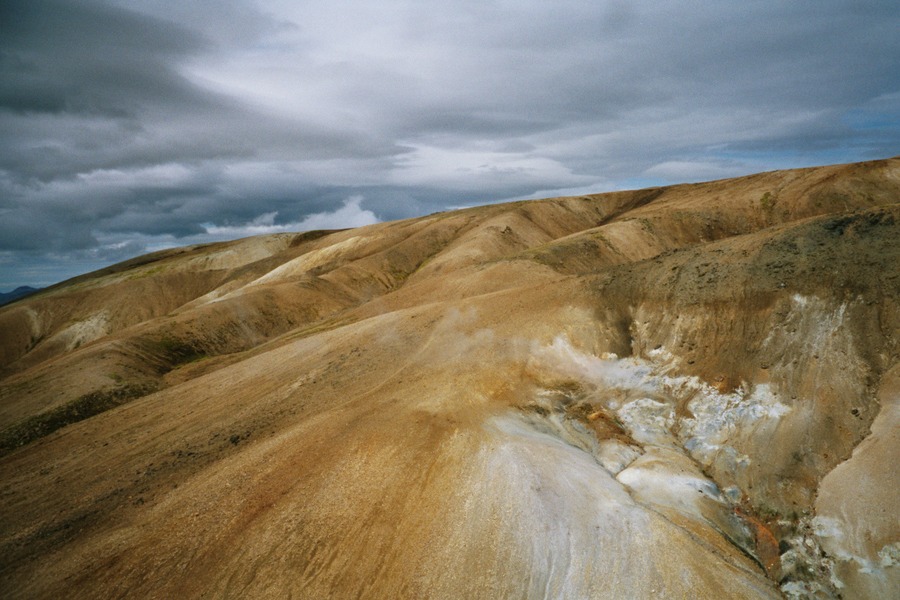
(130, 126)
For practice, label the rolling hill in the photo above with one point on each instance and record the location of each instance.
(687, 391)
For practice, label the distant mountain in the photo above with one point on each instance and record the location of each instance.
(19, 292)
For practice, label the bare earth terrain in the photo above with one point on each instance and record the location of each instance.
(681, 392)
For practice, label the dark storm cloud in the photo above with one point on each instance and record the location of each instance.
(88, 59)
(79, 80)
(128, 126)
(89, 86)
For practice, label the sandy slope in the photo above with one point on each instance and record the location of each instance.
(680, 392)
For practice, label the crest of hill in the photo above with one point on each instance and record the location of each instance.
(156, 313)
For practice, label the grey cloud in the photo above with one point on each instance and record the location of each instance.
(126, 125)
(119, 252)
(21, 230)
(92, 86)
(89, 58)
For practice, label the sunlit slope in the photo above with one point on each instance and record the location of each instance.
(676, 392)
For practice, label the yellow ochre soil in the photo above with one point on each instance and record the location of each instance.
(680, 392)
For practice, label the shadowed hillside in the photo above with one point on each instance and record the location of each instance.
(19, 292)
(689, 391)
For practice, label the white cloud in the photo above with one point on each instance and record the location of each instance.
(348, 216)
(474, 168)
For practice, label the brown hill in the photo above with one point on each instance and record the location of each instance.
(689, 391)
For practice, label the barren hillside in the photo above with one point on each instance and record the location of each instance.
(680, 392)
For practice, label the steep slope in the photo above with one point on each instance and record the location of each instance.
(676, 392)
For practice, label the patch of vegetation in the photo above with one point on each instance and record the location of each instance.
(35, 340)
(645, 224)
(309, 236)
(178, 352)
(767, 202)
(147, 272)
(84, 407)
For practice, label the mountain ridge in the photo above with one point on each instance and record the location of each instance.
(702, 359)
(20, 292)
